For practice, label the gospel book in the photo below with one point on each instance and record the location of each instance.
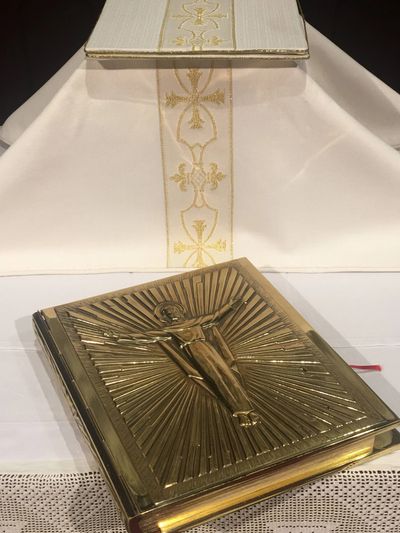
(205, 392)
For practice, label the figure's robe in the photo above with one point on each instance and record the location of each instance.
(183, 363)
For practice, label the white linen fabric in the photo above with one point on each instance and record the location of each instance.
(23, 117)
(361, 94)
(370, 101)
(83, 188)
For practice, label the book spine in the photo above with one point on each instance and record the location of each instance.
(85, 422)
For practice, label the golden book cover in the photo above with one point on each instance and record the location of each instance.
(205, 392)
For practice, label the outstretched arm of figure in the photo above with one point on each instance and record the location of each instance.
(150, 337)
(230, 307)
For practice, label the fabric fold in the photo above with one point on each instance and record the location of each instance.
(132, 167)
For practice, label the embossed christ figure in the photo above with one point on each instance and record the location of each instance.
(199, 349)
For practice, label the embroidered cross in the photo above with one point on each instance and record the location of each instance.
(201, 16)
(195, 98)
(200, 247)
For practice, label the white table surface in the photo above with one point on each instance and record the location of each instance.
(358, 314)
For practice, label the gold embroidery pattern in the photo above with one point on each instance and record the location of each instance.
(196, 135)
(198, 25)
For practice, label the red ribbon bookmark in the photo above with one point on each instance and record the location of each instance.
(372, 368)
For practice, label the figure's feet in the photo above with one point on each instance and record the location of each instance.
(247, 418)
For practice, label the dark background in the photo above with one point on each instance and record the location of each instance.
(39, 36)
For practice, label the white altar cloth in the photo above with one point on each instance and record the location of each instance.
(365, 97)
(303, 181)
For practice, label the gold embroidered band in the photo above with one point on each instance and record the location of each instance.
(198, 25)
(196, 139)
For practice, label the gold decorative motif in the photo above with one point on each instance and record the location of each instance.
(198, 180)
(208, 374)
(200, 247)
(201, 13)
(196, 105)
(188, 25)
(195, 98)
(197, 41)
